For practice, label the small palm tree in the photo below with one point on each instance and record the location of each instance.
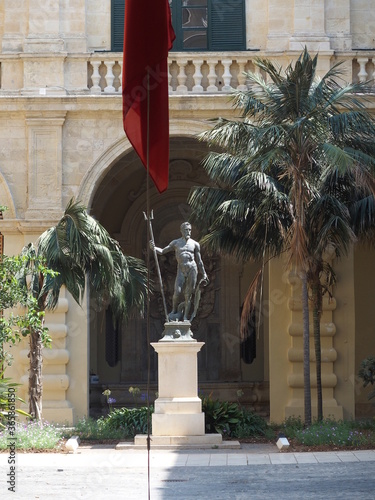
(77, 249)
(294, 133)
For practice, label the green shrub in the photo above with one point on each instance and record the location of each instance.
(367, 374)
(7, 400)
(250, 425)
(230, 419)
(130, 421)
(220, 416)
(290, 427)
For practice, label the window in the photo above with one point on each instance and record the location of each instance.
(117, 25)
(216, 25)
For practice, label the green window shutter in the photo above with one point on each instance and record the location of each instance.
(227, 25)
(117, 31)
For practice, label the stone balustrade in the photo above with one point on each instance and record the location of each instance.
(207, 72)
(188, 72)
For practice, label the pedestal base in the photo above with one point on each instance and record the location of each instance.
(177, 331)
(179, 424)
(178, 419)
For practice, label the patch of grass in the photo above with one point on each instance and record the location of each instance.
(329, 432)
(33, 436)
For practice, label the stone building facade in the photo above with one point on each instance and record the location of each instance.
(61, 136)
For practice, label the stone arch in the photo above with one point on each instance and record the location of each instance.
(99, 169)
(6, 199)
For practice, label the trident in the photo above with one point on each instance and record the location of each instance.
(149, 219)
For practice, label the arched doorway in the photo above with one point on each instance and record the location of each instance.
(119, 359)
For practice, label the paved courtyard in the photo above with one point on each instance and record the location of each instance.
(252, 472)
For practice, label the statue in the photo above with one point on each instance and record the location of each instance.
(189, 263)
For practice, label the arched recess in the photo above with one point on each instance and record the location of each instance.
(6, 199)
(98, 171)
(115, 191)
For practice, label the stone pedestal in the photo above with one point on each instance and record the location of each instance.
(178, 409)
(178, 418)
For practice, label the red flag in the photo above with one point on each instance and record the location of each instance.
(148, 36)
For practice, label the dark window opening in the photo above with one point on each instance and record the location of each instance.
(200, 25)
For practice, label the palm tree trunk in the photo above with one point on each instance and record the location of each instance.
(306, 350)
(317, 312)
(35, 375)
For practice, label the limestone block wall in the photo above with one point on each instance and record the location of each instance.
(98, 25)
(337, 24)
(362, 16)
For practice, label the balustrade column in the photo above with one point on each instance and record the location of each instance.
(120, 77)
(227, 75)
(362, 75)
(212, 77)
(241, 77)
(198, 76)
(182, 77)
(109, 77)
(95, 77)
(170, 88)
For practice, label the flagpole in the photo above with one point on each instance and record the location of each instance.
(148, 288)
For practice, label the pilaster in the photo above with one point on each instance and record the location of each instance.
(280, 24)
(309, 26)
(337, 13)
(44, 27)
(15, 26)
(295, 379)
(56, 407)
(44, 164)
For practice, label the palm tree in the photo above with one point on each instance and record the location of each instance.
(293, 134)
(77, 249)
(330, 234)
